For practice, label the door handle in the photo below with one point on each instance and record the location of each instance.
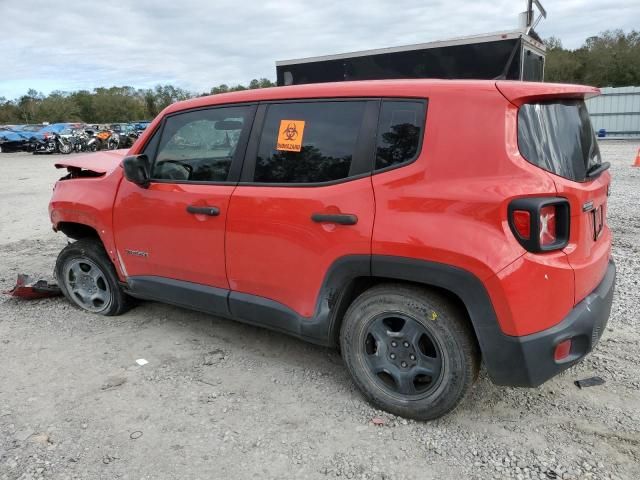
(211, 211)
(339, 218)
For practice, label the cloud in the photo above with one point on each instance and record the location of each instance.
(197, 44)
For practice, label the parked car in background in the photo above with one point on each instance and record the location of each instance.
(16, 138)
(141, 125)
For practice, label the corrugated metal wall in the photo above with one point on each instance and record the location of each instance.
(617, 111)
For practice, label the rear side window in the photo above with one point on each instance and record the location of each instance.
(308, 142)
(400, 131)
(558, 137)
(200, 145)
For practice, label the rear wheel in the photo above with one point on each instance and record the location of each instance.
(88, 279)
(409, 350)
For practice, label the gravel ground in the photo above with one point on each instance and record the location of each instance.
(219, 399)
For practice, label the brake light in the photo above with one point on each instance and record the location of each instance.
(522, 223)
(540, 224)
(548, 225)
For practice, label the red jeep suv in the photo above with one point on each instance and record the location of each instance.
(421, 226)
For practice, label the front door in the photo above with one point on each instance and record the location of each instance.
(305, 200)
(175, 228)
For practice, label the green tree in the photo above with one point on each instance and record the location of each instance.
(58, 107)
(610, 59)
(8, 112)
(28, 106)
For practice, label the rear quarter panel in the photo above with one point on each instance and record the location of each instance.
(589, 257)
(450, 206)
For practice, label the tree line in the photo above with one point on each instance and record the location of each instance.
(610, 59)
(103, 105)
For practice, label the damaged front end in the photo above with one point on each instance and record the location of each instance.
(92, 165)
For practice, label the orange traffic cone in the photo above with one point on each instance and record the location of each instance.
(637, 162)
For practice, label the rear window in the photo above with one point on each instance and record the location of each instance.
(399, 132)
(558, 137)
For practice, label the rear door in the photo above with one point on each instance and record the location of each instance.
(557, 135)
(305, 200)
(175, 228)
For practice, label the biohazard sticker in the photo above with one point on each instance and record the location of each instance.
(290, 135)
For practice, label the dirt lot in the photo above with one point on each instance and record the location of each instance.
(222, 400)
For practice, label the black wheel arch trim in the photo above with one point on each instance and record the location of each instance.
(471, 292)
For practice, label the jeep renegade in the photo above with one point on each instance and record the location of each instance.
(420, 226)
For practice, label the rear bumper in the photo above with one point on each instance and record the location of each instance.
(528, 361)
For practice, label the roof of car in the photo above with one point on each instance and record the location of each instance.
(370, 88)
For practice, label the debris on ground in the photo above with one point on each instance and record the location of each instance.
(30, 289)
(589, 382)
(114, 381)
(214, 357)
(41, 438)
(377, 421)
(141, 361)
(135, 435)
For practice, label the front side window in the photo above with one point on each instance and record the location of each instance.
(200, 145)
(310, 142)
(400, 130)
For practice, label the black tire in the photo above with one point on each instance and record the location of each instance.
(436, 332)
(90, 253)
(65, 147)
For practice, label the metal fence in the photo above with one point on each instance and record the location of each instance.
(616, 113)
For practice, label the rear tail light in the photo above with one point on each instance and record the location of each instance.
(540, 224)
(522, 223)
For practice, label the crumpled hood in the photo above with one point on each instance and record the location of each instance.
(101, 163)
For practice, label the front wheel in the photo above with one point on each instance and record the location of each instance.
(409, 350)
(88, 279)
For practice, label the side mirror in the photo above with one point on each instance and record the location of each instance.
(136, 169)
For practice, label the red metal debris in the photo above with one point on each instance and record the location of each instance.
(30, 289)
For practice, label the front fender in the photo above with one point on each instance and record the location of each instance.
(88, 201)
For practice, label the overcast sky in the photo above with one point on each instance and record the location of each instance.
(197, 44)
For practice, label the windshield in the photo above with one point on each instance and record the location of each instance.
(558, 137)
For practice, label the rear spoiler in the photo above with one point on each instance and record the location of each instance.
(525, 92)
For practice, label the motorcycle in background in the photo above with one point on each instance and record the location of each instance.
(108, 139)
(114, 141)
(84, 141)
(52, 143)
